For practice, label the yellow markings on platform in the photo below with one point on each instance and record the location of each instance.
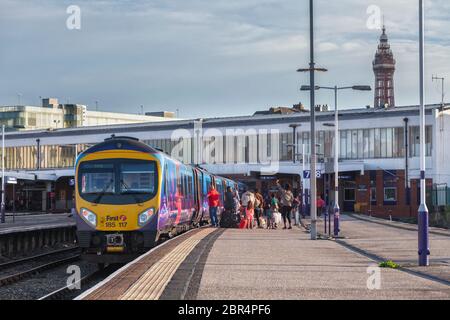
(152, 283)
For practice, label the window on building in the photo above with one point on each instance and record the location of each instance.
(383, 140)
(414, 141)
(366, 144)
(286, 146)
(349, 194)
(377, 144)
(371, 143)
(360, 144)
(399, 141)
(349, 144)
(343, 145)
(373, 194)
(390, 194)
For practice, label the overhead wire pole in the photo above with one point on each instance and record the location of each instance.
(424, 250)
(336, 90)
(312, 69)
(336, 165)
(313, 127)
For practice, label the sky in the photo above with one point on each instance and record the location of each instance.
(211, 58)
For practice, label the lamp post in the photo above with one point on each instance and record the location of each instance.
(294, 127)
(336, 89)
(312, 70)
(424, 250)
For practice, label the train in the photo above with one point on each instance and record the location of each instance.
(129, 195)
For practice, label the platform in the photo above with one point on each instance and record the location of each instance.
(25, 223)
(384, 240)
(208, 264)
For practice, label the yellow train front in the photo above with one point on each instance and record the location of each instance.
(123, 200)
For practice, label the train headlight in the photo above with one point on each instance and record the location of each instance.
(145, 216)
(89, 217)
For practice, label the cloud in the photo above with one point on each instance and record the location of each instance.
(327, 47)
(220, 57)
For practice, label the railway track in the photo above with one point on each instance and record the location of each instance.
(18, 276)
(69, 291)
(15, 262)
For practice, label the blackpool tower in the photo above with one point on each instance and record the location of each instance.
(384, 68)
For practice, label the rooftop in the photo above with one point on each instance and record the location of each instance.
(257, 119)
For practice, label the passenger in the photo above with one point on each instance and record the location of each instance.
(230, 202)
(259, 207)
(286, 203)
(275, 218)
(267, 210)
(296, 208)
(248, 204)
(237, 201)
(320, 203)
(213, 202)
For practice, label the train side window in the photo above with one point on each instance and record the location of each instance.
(186, 192)
(166, 181)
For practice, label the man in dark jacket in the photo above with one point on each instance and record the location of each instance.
(229, 217)
(230, 203)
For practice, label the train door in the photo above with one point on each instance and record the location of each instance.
(190, 194)
(197, 203)
(164, 209)
(219, 188)
(172, 187)
(207, 182)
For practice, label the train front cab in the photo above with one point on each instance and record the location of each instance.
(114, 224)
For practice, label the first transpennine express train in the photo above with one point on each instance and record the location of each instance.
(128, 195)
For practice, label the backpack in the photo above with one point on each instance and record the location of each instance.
(288, 197)
(257, 202)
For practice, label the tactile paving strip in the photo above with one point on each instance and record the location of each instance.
(151, 284)
(117, 284)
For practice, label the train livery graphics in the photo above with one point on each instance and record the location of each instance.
(129, 195)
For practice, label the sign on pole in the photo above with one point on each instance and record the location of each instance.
(307, 174)
(11, 180)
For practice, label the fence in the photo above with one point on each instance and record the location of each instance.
(440, 209)
(440, 196)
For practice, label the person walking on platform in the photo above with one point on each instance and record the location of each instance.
(213, 202)
(259, 207)
(286, 201)
(248, 204)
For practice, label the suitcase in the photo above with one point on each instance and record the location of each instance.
(243, 224)
(229, 220)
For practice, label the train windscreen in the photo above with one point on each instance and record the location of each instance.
(117, 181)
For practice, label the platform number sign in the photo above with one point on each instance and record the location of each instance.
(307, 174)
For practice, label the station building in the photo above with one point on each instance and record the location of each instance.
(378, 155)
(53, 115)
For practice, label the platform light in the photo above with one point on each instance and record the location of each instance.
(362, 88)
